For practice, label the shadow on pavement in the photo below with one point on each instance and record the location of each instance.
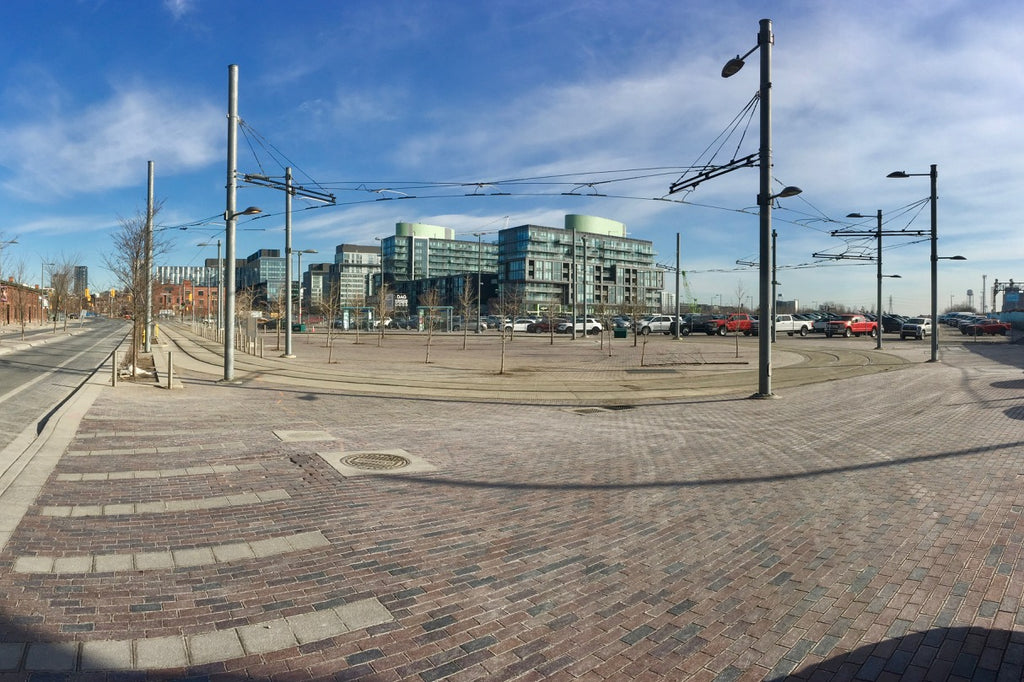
(1011, 354)
(964, 653)
(698, 483)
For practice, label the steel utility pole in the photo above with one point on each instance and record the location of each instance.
(230, 214)
(290, 190)
(288, 264)
(877, 234)
(148, 344)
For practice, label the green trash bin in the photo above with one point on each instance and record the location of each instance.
(298, 327)
(621, 332)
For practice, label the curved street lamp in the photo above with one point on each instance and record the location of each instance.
(933, 175)
(764, 196)
(878, 261)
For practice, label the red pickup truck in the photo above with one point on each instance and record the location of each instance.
(736, 322)
(852, 325)
(983, 327)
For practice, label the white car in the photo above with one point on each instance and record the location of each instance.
(588, 325)
(520, 324)
(916, 327)
(656, 323)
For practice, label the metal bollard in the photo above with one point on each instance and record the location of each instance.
(113, 373)
(170, 368)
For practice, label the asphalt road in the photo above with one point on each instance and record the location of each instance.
(39, 372)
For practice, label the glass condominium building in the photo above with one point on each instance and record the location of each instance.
(533, 265)
(356, 270)
(611, 270)
(418, 251)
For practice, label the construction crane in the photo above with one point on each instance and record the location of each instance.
(689, 300)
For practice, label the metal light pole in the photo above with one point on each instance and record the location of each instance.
(230, 216)
(764, 198)
(288, 264)
(878, 306)
(878, 263)
(775, 283)
(148, 334)
(584, 324)
(933, 175)
(479, 270)
(572, 285)
(679, 322)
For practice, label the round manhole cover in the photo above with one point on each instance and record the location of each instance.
(375, 461)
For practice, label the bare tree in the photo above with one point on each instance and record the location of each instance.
(634, 309)
(127, 261)
(358, 303)
(510, 303)
(741, 293)
(467, 297)
(278, 311)
(331, 308)
(381, 310)
(20, 297)
(428, 307)
(554, 302)
(62, 273)
(603, 313)
(245, 304)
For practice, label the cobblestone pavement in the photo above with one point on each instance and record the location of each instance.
(868, 526)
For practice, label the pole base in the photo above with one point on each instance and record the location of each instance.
(764, 396)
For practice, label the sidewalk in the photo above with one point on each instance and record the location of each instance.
(395, 519)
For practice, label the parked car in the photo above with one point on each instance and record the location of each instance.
(655, 323)
(969, 319)
(691, 323)
(955, 318)
(736, 322)
(458, 325)
(916, 327)
(892, 324)
(852, 325)
(520, 324)
(588, 325)
(820, 324)
(987, 326)
(546, 325)
(785, 324)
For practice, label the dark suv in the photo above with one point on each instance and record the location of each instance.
(692, 323)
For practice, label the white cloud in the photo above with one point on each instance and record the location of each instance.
(178, 8)
(107, 145)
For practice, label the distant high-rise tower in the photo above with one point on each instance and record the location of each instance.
(81, 279)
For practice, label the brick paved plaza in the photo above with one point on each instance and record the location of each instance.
(584, 516)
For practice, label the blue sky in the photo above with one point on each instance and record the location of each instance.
(404, 96)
